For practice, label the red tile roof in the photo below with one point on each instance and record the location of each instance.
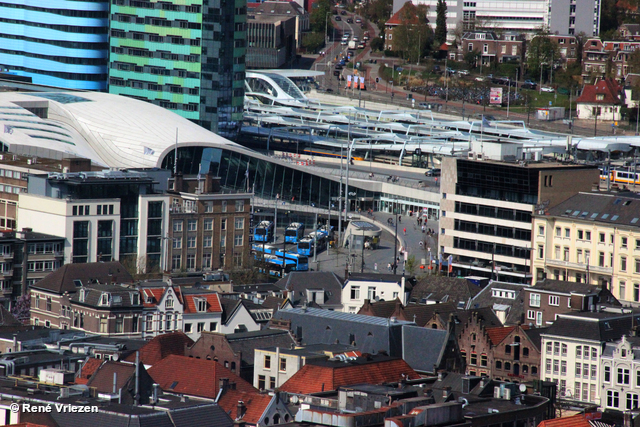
(314, 378)
(574, 421)
(607, 87)
(162, 346)
(89, 368)
(256, 404)
(197, 377)
(406, 11)
(213, 303)
(498, 334)
(153, 294)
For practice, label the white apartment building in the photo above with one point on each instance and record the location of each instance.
(572, 347)
(620, 375)
(273, 366)
(373, 287)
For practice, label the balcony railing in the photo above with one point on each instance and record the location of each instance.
(578, 266)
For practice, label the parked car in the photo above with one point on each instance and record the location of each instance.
(463, 72)
(358, 21)
(433, 172)
(450, 71)
(338, 18)
(338, 67)
(547, 89)
(435, 106)
(361, 46)
(480, 78)
(529, 85)
(343, 12)
(343, 42)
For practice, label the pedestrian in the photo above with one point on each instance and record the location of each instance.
(375, 266)
(389, 266)
(404, 230)
(400, 219)
(423, 228)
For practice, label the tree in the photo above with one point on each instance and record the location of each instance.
(378, 11)
(411, 265)
(542, 51)
(312, 41)
(318, 20)
(377, 43)
(441, 23)
(471, 58)
(413, 33)
(21, 310)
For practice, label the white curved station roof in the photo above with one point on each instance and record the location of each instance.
(111, 130)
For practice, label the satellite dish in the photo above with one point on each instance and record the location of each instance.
(523, 388)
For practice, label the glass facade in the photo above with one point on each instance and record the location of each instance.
(61, 43)
(268, 179)
(186, 58)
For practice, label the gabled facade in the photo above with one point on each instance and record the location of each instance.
(491, 47)
(163, 310)
(600, 101)
(619, 377)
(517, 357)
(360, 287)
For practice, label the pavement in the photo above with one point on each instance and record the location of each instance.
(412, 240)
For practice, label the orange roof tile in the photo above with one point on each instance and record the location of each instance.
(256, 404)
(573, 421)
(213, 303)
(154, 294)
(408, 9)
(498, 334)
(90, 366)
(162, 346)
(314, 378)
(608, 88)
(197, 377)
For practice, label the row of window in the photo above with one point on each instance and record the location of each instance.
(190, 265)
(192, 224)
(282, 365)
(559, 349)
(586, 235)
(554, 300)
(559, 367)
(613, 400)
(84, 210)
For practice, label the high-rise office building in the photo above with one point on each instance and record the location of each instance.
(61, 43)
(187, 56)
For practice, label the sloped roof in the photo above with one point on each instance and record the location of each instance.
(573, 421)
(315, 377)
(93, 293)
(607, 208)
(298, 283)
(62, 280)
(197, 377)
(213, 303)
(408, 9)
(89, 367)
(422, 313)
(497, 335)
(608, 88)
(8, 319)
(423, 347)
(102, 379)
(162, 346)
(255, 403)
(444, 289)
(516, 306)
(535, 336)
(154, 296)
(273, 303)
(593, 326)
(565, 287)
(380, 308)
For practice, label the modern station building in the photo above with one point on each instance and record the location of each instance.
(59, 43)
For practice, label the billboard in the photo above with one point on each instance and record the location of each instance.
(495, 95)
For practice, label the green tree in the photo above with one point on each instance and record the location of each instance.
(378, 11)
(542, 52)
(377, 43)
(312, 41)
(411, 265)
(413, 33)
(471, 58)
(440, 35)
(318, 19)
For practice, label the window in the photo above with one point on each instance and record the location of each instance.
(549, 347)
(594, 372)
(261, 382)
(483, 360)
(632, 401)
(474, 359)
(534, 300)
(223, 206)
(272, 385)
(283, 364)
(223, 224)
(578, 369)
(208, 224)
(567, 233)
(187, 328)
(564, 350)
(556, 348)
(623, 289)
(548, 366)
(539, 318)
(556, 367)
(192, 225)
(580, 234)
(239, 205)
(587, 235)
(238, 239)
(601, 238)
(558, 232)
(355, 292)
(191, 242)
(540, 230)
(200, 327)
(371, 293)
(563, 368)
(540, 251)
(531, 315)
(177, 225)
(554, 300)
(623, 242)
(623, 376)
(213, 326)
(267, 362)
(239, 223)
(498, 364)
(613, 399)
(169, 302)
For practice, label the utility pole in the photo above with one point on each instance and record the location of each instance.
(315, 242)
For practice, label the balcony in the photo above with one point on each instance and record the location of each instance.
(184, 209)
(578, 266)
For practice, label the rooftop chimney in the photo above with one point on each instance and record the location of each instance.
(241, 409)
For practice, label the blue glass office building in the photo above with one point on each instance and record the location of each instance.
(61, 43)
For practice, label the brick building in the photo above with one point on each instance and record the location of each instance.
(507, 47)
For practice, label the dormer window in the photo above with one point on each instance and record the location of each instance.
(201, 304)
(169, 303)
(135, 298)
(116, 300)
(82, 295)
(148, 299)
(104, 299)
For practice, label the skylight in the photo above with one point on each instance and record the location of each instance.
(634, 220)
(615, 217)
(594, 215)
(604, 216)
(575, 213)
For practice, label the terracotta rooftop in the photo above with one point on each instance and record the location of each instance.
(196, 377)
(162, 346)
(325, 376)
(496, 335)
(90, 366)
(573, 421)
(213, 303)
(406, 11)
(607, 88)
(256, 404)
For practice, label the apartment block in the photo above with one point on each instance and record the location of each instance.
(620, 374)
(487, 208)
(493, 48)
(184, 56)
(591, 238)
(62, 43)
(572, 348)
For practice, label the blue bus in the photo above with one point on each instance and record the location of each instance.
(273, 265)
(263, 232)
(294, 232)
(305, 246)
(300, 262)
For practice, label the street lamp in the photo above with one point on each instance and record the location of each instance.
(395, 250)
(326, 29)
